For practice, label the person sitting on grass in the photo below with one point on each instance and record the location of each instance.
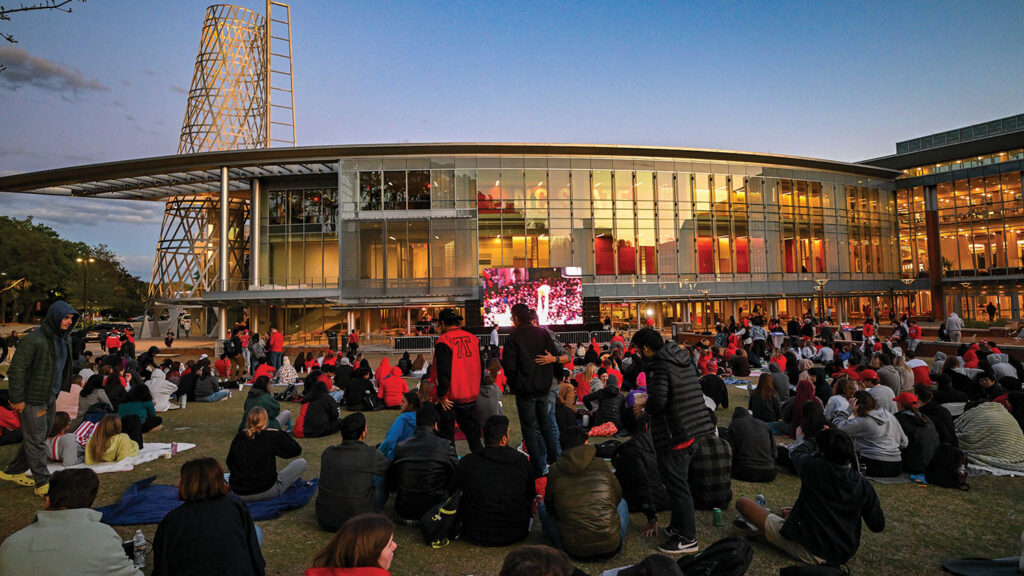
(824, 524)
(535, 560)
(636, 468)
(392, 387)
(937, 413)
(583, 511)
(347, 476)
(423, 468)
(67, 537)
(108, 443)
(710, 470)
(260, 396)
(764, 401)
(161, 389)
(139, 403)
(364, 546)
(497, 489)
(319, 413)
(922, 437)
(211, 532)
(753, 448)
(62, 446)
(207, 388)
(876, 433)
(252, 459)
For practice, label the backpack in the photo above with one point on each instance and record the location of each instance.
(289, 394)
(948, 468)
(231, 347)
(439, 524)
(728, 557)
(371, 402)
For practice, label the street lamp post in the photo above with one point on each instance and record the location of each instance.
(968, 313)
(907, 282)
(820, 288)
(85, 282)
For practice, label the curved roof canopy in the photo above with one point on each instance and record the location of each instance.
(196, 174)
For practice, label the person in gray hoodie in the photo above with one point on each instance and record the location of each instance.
(954, 325)
(1000, 367)
(780, 380)
(877, 435)
(936, 369)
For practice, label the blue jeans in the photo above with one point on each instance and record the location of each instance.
(337, 395)
(550, 524)
(380, 494)
(550, 433)
(215, 397)
(275, 360)
(674, 466)
(532, 413)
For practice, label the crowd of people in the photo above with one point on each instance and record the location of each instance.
(629, 426)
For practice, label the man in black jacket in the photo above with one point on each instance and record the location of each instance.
(527, 365)
(347, 475)
(497, 489)
(824, 524)
(423, 468)
(678, 416)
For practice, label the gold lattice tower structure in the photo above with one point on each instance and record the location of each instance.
(242, 96)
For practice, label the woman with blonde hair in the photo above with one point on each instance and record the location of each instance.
(364, 546)
(252, 459)
(584, 378)
(108, 443)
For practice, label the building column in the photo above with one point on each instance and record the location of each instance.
(255, 208)
(222, 312)
(931, 221)
(408, 320)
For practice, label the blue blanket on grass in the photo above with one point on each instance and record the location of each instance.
(146, 503)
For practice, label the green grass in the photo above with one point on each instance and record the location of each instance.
(924, 525)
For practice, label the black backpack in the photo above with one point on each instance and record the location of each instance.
(289, 394)
(728, 557)
(440, 523)
(948, 468)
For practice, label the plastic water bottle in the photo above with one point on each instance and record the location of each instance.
(761, 500)
(140, 549)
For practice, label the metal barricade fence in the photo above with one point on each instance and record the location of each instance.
(414, 342)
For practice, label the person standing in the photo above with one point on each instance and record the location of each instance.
(678, 416)
(353, 341)
(954, 325)
(40, 369)
(457, 373)
(234, 348)
(275, 348)
(530, 381)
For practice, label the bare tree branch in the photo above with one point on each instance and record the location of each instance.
(47, 5)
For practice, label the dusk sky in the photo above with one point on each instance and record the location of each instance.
(841, 81)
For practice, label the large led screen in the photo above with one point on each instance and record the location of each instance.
(554, 293)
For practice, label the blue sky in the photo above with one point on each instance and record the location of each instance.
(842, 81)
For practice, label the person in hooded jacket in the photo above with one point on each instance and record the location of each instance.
(877, 435)
(405, 363)
(318, 415)
(391, 389)
(824, 524)
(161, 388)
(678, 417)
(39, 371)
(497, 489)
(781, 381)
(636, 467)
(753, 448)
(583, 511)
(343, 372)
(922, 436)
(610, 403)
(260, 396)
(147, 360)
(999, 367)
(937, 413)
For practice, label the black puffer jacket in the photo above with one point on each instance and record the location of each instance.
(675, 401)
(526, 378)
(636, 467)
(497, 494)
(922, 439)
(609, 407)
(582, 495)
(422, 473)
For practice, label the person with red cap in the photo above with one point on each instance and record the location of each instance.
(883, 395)
(922, 436)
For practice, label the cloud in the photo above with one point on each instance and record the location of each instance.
(24, 69)
(60, 212)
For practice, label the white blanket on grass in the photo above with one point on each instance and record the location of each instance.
(150, 452)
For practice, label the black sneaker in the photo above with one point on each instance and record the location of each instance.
(670, 531)
(678, 545)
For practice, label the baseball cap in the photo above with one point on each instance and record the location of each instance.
(449, 317)
(906, 399)
(869, 375)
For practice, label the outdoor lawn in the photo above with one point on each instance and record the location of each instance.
(924, 525)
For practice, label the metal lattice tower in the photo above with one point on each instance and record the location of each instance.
(241, 96)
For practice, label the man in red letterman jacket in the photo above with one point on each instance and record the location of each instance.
(457, 371)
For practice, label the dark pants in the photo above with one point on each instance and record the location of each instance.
(533, 413)
(465, 415)
(758, 350)
(755, 474)
(275, 359)
(132, 426)
(881, 468)
(550, 431)
(36, 421)
(674, 466)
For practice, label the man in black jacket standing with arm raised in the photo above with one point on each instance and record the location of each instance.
(530, 381)
(675, 405)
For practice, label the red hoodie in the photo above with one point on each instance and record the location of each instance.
(392, 388)
(276, 343)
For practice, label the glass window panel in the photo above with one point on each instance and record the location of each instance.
(489, 191)
(512, 185)
(419, 189)
(442, 189)
(702, 189)
(394, 190)
(369, 191)
(465, 189)
(295, 213)
(416, 254)
(721, 189)
(278, 208)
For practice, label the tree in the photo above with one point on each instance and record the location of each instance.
(47, 5)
